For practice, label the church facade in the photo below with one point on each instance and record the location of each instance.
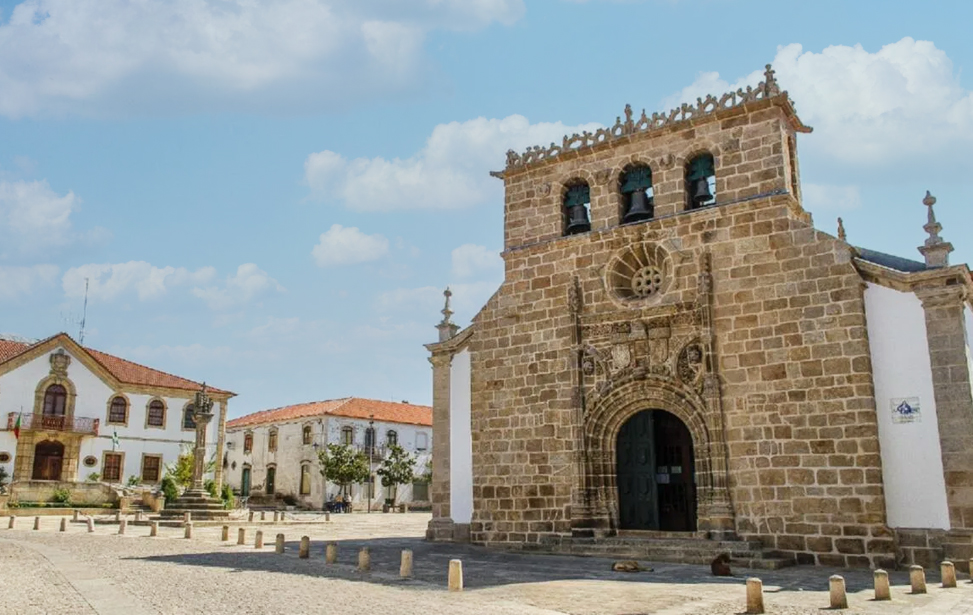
(676, 350)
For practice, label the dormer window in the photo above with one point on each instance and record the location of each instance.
(701, 182)
(577, 205)
(636, 189)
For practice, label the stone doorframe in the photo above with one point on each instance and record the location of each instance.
(27, 443)
(605, 418)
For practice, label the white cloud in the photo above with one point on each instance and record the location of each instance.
(103, 56)
(827, 197)
(470, 259)
(450, 172)
(904, 100)
(17, 281)
(341, 245)
(248, 281)
(34, 219)
(108, 281)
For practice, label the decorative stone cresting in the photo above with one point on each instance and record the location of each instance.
(685, 112)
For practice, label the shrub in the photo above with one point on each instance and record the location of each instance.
(169, 489)
(61, 496)
(290, 500)
(94, 477)
(228, 499)
(211, 488)
(133, 481)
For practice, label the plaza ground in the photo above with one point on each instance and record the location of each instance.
(56, 573)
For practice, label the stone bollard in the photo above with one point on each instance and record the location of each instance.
(122, 525)
(276, 516)
(364, 560)
(189, 530)
(305, 550)
(755, 596)
(263, 515)
(405, 567)
(138, 515)
(327, 517)
(154, 529)
(917, 577)
(241, 536)
(882, 590)
(948, 574)
(91, 525)
(118, 516)
(64, 525)
(13, 522)
(37, 523)
(258, 540)
(279, 545)
(836, 587)
(455, 579)
(225, 533)
(331, 553)
(187, 518)
(77, 516)
(250, 517)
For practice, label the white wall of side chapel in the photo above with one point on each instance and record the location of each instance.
(460, 438)
(17, 389)
(292, 453)
(912, 468)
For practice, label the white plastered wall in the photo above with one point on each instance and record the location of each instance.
(912, 467)
(460, 439)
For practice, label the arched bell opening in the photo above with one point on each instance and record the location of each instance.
(635, 186)
(48, 460)
(656, 473)
(577, 208)
(700, 182)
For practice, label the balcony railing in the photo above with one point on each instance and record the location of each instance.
(49, 422)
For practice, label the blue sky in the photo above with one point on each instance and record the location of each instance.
(271, 196)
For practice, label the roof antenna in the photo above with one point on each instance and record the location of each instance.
(84, 314)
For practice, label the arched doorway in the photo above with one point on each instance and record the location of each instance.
(48, 460)
(656, 473)
(271, 479)
(245, 481)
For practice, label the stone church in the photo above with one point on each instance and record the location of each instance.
(678, 363)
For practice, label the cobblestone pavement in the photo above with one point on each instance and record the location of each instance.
(47, 571)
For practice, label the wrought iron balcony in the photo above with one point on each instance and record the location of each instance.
(49, 422)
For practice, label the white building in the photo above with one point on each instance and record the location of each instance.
(83, 412)
(275, 452)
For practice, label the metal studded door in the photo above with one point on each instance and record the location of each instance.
(674, 473)
(636, 474)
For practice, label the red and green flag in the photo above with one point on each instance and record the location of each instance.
(17, 426)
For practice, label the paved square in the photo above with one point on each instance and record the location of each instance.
(47, 571)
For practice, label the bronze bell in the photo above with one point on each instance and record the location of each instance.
(701, 194)
(639, 207)
(578, 220)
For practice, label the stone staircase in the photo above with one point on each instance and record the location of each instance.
(669, 547)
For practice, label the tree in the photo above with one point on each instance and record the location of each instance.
(182, 470)
(343, 465)
(398, 468)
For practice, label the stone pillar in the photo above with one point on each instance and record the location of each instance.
(121, 526)
(220, 444)
(64, 525)
(37, 523)
(405, 566)
(225, 533)
(364, 560)
(154, 529)
(279, 546)
(77, 516)
(331, 553)
(455, 578)
(189, 530)
(882, 589)
(305, 549)
(441, 525)
(13, 522)
(946, 335)
(258, 539)
(241, 536)
(91, 525)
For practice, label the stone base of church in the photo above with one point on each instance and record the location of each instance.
(445, 530)
(927, 548)
(199, 503)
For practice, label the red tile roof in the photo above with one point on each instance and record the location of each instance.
(354, 407)
(124, 371)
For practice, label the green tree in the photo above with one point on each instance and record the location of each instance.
(398, 468)
(343, 465)
(182, 470)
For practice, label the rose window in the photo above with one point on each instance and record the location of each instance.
(646, 282)
(638, 273)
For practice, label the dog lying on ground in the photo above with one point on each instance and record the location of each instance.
(629, 566)
(720, 567)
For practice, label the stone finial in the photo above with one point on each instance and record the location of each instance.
(770, 81)
(935, 250)
(447, 329)
(842, 235)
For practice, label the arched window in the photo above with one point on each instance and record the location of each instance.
(305, 479)
(55, 400)
(577, 206)
(347, 435)
(189, 417)
(247, 442)
(118, 410)
(307, 435)
(156, 414)
(272, 440)
(391, 437)
(700, 182)
(637, 198)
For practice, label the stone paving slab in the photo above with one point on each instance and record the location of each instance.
(77, 572)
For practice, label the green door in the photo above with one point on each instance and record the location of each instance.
(637, 506)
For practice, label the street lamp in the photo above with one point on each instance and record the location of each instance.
(370, 445)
